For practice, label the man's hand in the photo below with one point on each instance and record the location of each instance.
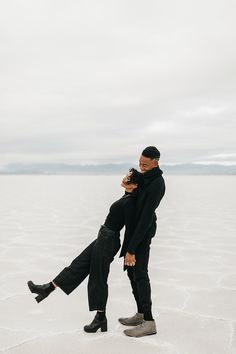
(130, 259)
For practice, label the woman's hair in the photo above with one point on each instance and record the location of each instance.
(135, 177)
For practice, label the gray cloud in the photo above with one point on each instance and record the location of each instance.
(95, 82)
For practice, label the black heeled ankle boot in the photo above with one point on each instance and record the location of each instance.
(42, 290)
(96, 324)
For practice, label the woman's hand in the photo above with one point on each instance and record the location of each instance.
(130, 259)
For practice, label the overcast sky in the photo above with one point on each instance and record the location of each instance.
(97, 81)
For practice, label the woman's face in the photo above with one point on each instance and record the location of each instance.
(125, 183)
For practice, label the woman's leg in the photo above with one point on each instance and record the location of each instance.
(73, 275)
(69, 278)
(105, 248)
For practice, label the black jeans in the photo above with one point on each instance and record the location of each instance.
(138, 275)
(94, 261)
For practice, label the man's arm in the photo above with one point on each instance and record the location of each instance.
(129, 259)
(129, 213)
(152, 201)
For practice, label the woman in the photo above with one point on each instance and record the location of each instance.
(96, 258)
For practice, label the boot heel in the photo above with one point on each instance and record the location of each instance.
(40, 297)
(104, 327)
(96, 324)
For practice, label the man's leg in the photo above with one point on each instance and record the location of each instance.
(140, 281)
(133, 284)
(140, 284)
(138, 276)
(138, 317)
(143, 288)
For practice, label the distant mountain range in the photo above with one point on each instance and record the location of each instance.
(113, 169)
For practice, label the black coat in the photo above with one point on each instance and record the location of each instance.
(147, 200)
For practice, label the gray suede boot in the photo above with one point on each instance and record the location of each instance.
(132, 321)
(146, 328)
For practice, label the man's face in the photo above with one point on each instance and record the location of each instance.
(146, 164)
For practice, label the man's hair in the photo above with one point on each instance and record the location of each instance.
(152, 153)
(136, 177)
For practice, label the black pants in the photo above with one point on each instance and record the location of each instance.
(94, 261)
(138, 275)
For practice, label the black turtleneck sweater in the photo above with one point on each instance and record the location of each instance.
(147, 200)
(122, 213)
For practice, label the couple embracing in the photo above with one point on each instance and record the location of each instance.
(135, 211)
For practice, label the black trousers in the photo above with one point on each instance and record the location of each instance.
(94, 261)
(138, 275)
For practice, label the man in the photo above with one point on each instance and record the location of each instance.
(136, 250)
